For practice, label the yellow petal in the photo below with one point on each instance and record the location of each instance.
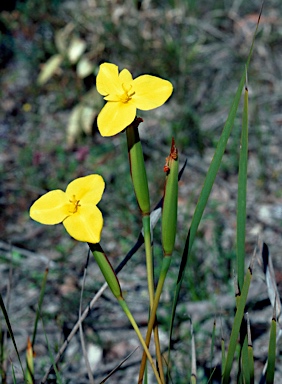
(150, 92)
(86, 224)
(125, 76)
(92, 197)
(83, 187)
(107, 81)
(51, 208)
(115, 117)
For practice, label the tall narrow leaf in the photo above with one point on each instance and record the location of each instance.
(250, 351)
(212, 349)
(242, 194)
(241, 302)
(241, 232)
(245, 357)
(58, 376)
(10, 330)
(208, 183)
(271, 353)
(193, 379)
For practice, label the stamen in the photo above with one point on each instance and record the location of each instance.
(75, 205)
(127, 95)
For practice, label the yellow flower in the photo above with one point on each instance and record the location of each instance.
(124, 95)
(75, 208)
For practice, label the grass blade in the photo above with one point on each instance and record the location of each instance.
(242, 194)
(14, 375)
(241, 302)
(271, 352)
(241, 232)
(245, 355)
(193, 357)
(216, 161)
(223, 357)
(118, 366)
(250, 352)
(212, 349)
(270, 280)
(2, 305)
(58, 377)
(208, 184)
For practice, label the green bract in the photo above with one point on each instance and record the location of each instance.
(169, 216)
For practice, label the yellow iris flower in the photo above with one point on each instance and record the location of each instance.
(124, 95)
(76, 208)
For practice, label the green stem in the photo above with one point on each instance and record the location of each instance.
(140, 184)
(137, 167)
(150, 279)
(149, 257)
(164, 270)
(142, 341)
(113, 283)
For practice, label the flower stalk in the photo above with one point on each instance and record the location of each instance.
(113, 282)
(169, 224)
(140, 184)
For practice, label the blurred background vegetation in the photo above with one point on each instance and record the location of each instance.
(50, 52)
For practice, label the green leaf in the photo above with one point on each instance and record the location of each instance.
(241, 302)
(271, 353)
(242, 194)
(169, 215)
(10, 330)
(207, 187)
(250, 352)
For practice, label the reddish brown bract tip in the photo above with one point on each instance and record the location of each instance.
(172, 156)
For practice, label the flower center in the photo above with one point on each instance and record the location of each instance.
(74, 205)
(128, 93)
